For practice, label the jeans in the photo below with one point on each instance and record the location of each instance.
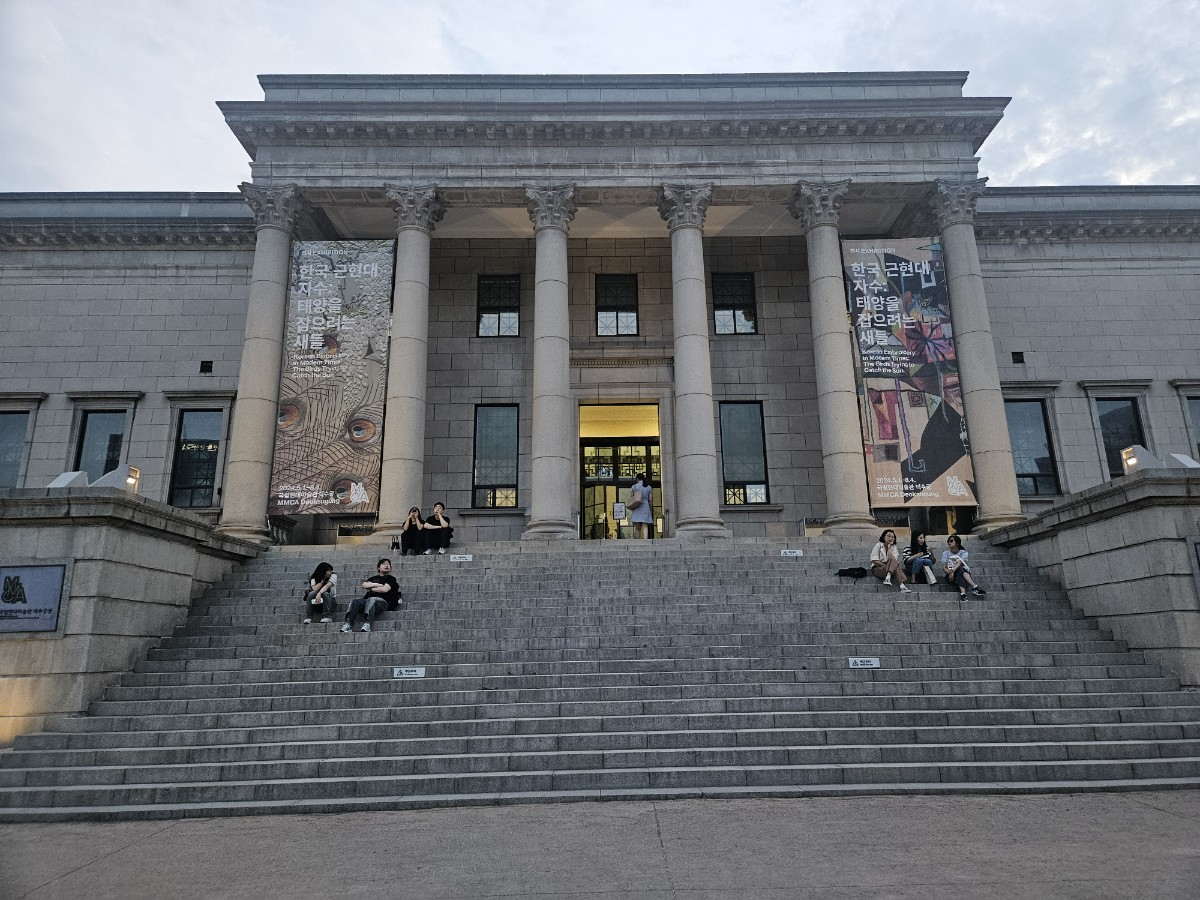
(325, 608)
(921, 562)
(367, 607)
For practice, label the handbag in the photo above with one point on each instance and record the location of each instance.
(635, 499)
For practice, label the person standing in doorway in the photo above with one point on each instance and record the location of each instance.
(641, 506)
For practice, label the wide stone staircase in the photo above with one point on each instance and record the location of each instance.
(622, 670)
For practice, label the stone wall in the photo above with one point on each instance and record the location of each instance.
(1127, 554)
(135, 565)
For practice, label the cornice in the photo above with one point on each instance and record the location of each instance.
(609, 123)
(1158, 225)
(16, 233)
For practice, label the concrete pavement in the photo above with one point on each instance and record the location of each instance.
(1114, 845)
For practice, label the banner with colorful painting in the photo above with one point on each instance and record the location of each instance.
(329, 436)
(910, 401)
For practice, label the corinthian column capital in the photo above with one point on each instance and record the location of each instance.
(818, 202)
(277, 207)
(684, 204)
(953, 202)
(551, 207)
(415, 207)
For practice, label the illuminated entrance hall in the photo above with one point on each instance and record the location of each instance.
(616, 443)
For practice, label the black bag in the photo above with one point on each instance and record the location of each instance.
(856, 572)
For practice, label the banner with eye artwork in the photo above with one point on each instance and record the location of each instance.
(910, 401)
(329, 435)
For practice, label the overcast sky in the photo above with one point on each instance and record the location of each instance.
(120, 94)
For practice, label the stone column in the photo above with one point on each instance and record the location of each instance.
(698, 485)
(252, 439)
(552, 482)
(983, 405)
(817, 205)
(402, 473)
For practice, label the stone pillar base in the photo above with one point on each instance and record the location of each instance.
(245, 533)
(850, 524)
(699, 530)
(551, 531)
(983, 525)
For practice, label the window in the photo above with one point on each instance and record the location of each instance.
(616, 305)
(495, 457)
(733, 304)
(1193, 404)
(1033, 458)
(1120, 427)
(194, 470)
(101, 437)
(743, 454)
(13, 428)
(498, 298)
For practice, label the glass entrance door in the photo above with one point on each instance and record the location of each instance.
(609, 468)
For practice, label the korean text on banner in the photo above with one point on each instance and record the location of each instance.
(329, 438)
(910, 401)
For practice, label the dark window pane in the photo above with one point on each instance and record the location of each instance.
(1120, 427)
(616, 305)
(101, 435)
(734, 303)
(194, 472)
(498, 299)
(743, 453)
(1194, 415)
(1033, 458)
(13, 426)
(495, 456)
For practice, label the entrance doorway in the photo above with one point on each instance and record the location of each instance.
(615, 444)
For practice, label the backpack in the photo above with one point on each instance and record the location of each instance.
(635, 498)
(856, 572)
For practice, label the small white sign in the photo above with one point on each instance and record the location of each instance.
(461, 557)
(408, 671)
(791, 552)
(618, 511)
(864, 662)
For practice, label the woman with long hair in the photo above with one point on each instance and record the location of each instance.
(885, 561)
(321, 594)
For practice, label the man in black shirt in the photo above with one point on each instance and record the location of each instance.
(382, 592)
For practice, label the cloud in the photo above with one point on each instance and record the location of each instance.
(121, 95)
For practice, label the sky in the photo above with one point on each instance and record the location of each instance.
(120, 95)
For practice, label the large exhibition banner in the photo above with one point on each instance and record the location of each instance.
(910, 401)
(329, 437)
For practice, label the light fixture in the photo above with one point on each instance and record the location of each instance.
(129, 480)
(1137, 458)
(133, 480)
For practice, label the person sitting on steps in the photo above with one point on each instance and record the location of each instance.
(412, 538)
(918, 559)
(885, 561)
(321, 595)
(437, 530)
(958, 573)
(382, 592)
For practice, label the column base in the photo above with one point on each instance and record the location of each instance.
(699, 529)
(850, 522)
(550, 530)
(246, 533)
(999, 520)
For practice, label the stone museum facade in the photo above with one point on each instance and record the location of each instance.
(596, 276)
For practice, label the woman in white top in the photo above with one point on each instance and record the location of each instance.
(321, 595)
(885, 561)
(958, 573)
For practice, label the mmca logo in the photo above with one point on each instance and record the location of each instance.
(14, 591)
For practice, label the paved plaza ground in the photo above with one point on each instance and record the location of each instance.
(1127, 845)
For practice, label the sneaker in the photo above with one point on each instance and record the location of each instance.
(887, 579)
(904, 589)
(366, 626)
(306, 622)
(441, 550)
(326, 620)
(962, 596)
(426, 552)
(346, 628)
(978, 591)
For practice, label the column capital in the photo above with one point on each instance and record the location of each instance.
(277, 207)
(415, 207)
(551, 207)
(953, 202)
(684, 204)
(818, 202)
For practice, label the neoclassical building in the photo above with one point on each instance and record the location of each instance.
(590, 277)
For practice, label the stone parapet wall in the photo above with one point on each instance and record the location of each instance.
(1127, 553)
(134, 566)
